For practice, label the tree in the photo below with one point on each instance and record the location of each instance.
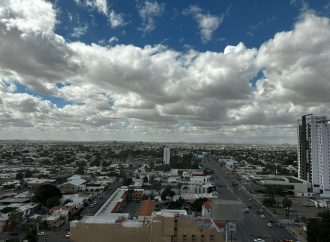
(14, 218)
(178, 204)
(145, 179)
(286, 203)
(19, 176)
(52, 202)
(45, 192)
(318, 229)
(127, 181)
(167, 193)
(198, 203)
(269, 201)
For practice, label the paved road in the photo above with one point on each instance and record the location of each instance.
(100, 201)
(252, 226)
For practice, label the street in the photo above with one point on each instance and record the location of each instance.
(253, 226)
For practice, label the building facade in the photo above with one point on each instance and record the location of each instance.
(163, 227)
(314, 152)
(167, 155)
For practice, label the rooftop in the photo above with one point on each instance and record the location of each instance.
(147, 207)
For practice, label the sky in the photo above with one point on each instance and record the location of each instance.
(215, 71)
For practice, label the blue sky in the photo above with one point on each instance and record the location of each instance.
(250, 22)
(200, 71)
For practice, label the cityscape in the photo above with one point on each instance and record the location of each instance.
(164, 121)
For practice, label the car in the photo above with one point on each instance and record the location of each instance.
(269, 225)
(246, 210)
(67, 235)
(262, 216)
(250, 199)
(91, 206)
(261, 210)
(258, 240)
(41, 233)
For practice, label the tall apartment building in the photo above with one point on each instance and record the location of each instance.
(314, 152)
(167, 155)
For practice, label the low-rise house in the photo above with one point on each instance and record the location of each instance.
(73, 186)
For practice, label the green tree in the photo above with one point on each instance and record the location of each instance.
(286, 203)
(198, 203)
(52, 202)
(318, 228)
(178, 204)
(269, 201)
(167, 193)
(45, 192)
(14, 218)
(145, 179)
(19, 176)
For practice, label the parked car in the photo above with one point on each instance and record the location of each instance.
(41, 233)
(269, 225)
(67, 235)
(262, 216)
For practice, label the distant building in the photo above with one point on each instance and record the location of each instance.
(314, 152)
(167, 155)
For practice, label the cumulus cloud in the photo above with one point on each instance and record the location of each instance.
(207, 23)
(156, 92)
(148, 11)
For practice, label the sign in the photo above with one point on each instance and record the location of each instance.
(231, 227)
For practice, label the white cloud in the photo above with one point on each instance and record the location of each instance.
(79, 31)
(148, 11)
(115, 19)
(37, 17)
(153, 90)
(113, 40)
(207, 23)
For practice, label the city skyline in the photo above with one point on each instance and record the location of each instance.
(194, 71)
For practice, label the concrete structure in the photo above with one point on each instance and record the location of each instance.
(288, 184)
(226, 210)
(314, 152)
(167, 155)
(165, 226)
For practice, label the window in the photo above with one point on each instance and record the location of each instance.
(211, 237)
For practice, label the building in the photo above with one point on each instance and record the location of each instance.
(314, 152)
(289, 185)
(164, 226)
(147, 207)
(167, 155)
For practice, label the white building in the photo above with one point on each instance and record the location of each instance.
(167, 155)
(314, 152)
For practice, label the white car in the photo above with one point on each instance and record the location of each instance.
(262, 216)
(67, 235)
(269, 225)
(258, 240)
(41, 233)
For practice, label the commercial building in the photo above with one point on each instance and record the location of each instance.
(284, 184)
(112, 224)
(314, 152)
(167, 155)
(165, 226)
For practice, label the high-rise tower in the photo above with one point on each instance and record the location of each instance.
(167, 155)
(314, 152)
